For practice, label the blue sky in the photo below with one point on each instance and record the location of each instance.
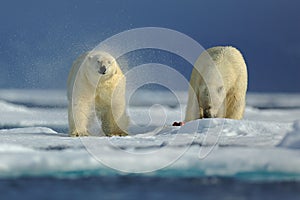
(39, 39)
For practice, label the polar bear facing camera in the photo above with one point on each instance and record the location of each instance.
(218, 85)
(96, 88)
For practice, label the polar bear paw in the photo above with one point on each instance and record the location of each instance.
(119, 133)
(79, 134)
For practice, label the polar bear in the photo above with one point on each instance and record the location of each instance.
(218, 85)
(96, 88)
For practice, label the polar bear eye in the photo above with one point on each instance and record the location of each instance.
(109, 62)
(220, 89)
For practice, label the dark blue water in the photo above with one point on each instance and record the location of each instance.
(39, 40)
(135, 187)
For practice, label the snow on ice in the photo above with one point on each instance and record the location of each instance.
(265, 145)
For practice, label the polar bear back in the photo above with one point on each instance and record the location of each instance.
(230, 62)
(72, 74)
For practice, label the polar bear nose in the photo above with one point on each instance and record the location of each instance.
(102, 69)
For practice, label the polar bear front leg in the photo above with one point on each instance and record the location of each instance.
(114, 124)
(235, 107)
(79, 117)
(193, 110)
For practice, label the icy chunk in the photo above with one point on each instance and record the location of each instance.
(292, 139)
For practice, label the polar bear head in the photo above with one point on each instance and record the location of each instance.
(211, 86)
(99, 66)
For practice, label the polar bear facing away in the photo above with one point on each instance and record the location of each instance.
(218, 85)
(96, 88)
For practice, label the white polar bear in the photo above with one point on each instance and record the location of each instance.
(96, 87)
(218, 85)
